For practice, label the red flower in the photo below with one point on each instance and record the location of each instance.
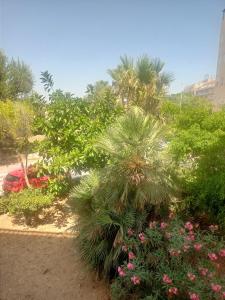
(163, 225)
(203, 271)
(191, 276)
(212, 256)
(173, 291)
(174, 252)
(194, 296)
(198, 247)
(131, 255)
(222, 253)
(166, 279)
(186, 248)
(223, 295)
(130, 266)
(121, 272)
(216, 287)
(135, 279)
(188, 226)
(130, 232)
(141, 237)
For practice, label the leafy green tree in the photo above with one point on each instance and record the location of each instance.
(16, 79)
(142, 83)
(135, 182)
(71, 126)
(3, 76)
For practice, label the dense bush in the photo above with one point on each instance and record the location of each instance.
(171, 260)
(71, 127)
(135, 182)
(197, 146)
(28, 203)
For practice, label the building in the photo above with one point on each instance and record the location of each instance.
(219, 93)
(213, 89)
(204, 88)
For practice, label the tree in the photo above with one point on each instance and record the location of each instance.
(47, 80)
(16, 79)
(142, 83)
(16, 120)
(3, 76)
(20, 79)
(136, 182)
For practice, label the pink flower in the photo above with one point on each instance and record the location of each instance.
(191, 276)
(203, 271)
(174, 252)
(198, 247)
(188, 226)
(121, 272)
(166, 279)
(223, 294)
(124, 248)
(194, 296)
(152, 225)
(130, 232)
(163, 225)
(168, 235)
(222, 253)
(141, 237)
(131, 255)
(186, 248)
(212, 256)
(190, 238)
(173, 291)
(135, 279)
(216, 287)
(213, 227)
(130, 266)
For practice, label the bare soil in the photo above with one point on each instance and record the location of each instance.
(41, 266)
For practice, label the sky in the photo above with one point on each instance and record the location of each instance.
(77, 41)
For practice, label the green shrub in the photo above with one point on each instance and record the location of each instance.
(28, 203)
(4, 203)
(135, 182)
(171, 260)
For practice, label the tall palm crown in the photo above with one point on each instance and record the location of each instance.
(141, 83)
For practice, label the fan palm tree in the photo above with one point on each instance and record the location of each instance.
(135, 182)
(143, 83)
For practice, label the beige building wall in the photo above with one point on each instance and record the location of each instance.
(219, 94)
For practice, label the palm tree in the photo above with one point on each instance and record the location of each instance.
(142, 83)
(135, 182)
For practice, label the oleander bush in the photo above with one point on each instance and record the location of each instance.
(171, 260)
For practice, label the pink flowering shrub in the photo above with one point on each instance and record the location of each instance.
(171, 260)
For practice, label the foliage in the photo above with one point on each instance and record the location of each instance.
(197, 146)
(134, 183)
(7, 121)
(16, 79)
(71, 127)
(171, 260)
(47, 80)
(28, 203)
(142, 83)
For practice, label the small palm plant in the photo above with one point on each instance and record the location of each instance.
(134, 183)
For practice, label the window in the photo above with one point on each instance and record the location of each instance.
(12, 178)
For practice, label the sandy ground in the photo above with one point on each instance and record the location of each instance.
(37, 266)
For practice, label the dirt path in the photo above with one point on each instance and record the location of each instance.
(41, 266)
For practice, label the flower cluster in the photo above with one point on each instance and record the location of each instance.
(167, 248)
